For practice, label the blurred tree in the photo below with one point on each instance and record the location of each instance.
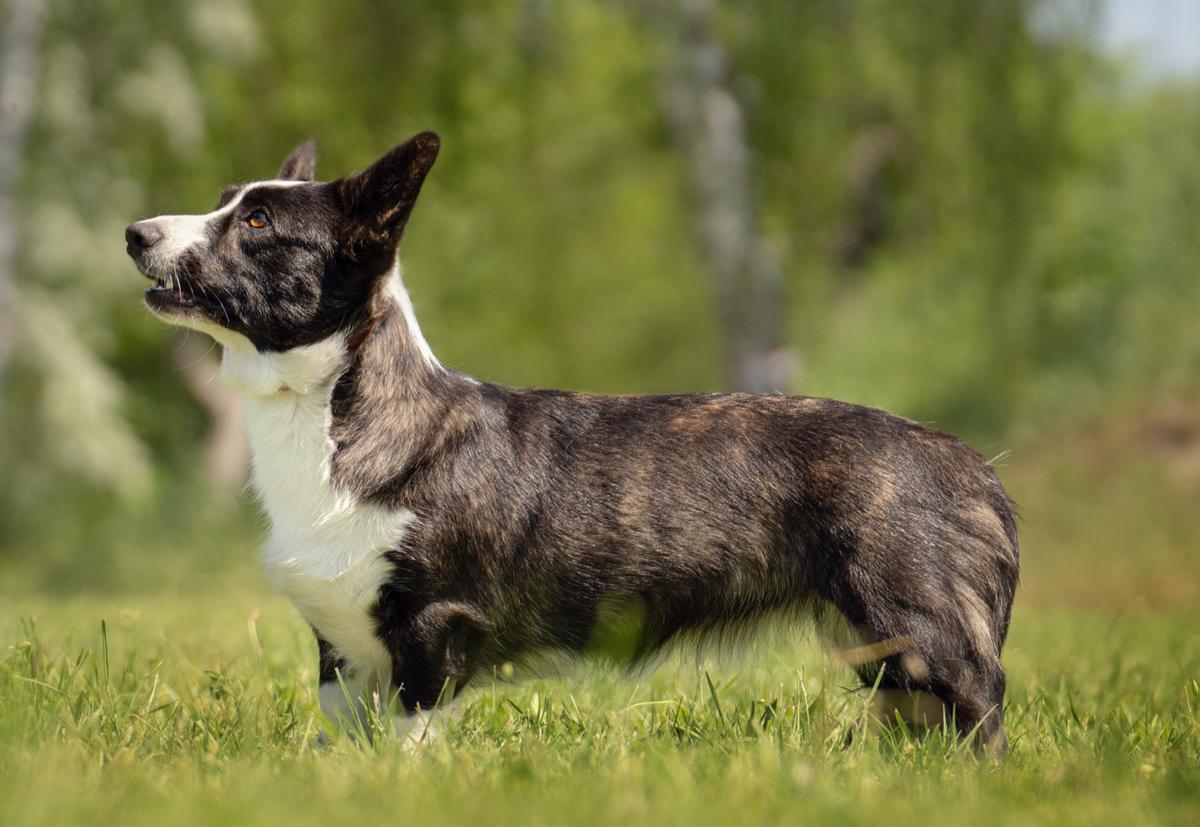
(19, 47)
(707, 121)
(226, 451)
(872, 155)
(922, 150)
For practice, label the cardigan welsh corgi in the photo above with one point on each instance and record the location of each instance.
(428, 525)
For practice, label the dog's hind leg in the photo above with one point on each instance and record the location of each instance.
(934, 621)
(922, 669)
(934, 680)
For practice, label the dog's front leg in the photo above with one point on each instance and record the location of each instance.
(353, 698)
(434, 656)
(421, 726)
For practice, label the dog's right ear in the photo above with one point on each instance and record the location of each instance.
(301, 165)
(379, 200)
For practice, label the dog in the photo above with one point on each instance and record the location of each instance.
(428, 525)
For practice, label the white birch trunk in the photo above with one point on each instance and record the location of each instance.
(19, 46)
(709, 126)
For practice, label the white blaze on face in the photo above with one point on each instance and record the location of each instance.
(181, 232)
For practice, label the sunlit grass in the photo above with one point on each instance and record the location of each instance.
(202, 708)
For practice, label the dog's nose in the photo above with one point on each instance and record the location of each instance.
(140, 237)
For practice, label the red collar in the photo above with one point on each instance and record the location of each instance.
(362, 335)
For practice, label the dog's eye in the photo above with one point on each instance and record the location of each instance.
(258, 219)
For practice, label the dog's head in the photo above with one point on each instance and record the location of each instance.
(285, 262)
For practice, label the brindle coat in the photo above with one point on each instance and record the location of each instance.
(538, 509)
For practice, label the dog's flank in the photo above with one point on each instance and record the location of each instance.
(428, 525)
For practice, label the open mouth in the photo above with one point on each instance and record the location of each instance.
(168, 293)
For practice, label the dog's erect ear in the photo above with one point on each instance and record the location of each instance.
(301, 165)
(379, 199)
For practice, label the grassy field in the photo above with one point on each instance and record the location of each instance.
(198, 705)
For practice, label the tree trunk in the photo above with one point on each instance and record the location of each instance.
(709, 126)
(19, 47)
(226, 456)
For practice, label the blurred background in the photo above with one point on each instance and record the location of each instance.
(982, 215)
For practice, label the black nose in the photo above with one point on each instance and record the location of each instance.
(140, 237)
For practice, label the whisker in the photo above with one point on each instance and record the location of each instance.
(175, 276)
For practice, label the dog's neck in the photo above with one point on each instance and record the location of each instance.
(315, 367)
(394, 409)
(371, 404)
(370, 392)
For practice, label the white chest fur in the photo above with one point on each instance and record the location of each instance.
(325, 548)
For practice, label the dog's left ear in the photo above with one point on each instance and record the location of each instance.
(301, 165)
(379, 200)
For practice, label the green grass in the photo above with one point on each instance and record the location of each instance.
(201, 708)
